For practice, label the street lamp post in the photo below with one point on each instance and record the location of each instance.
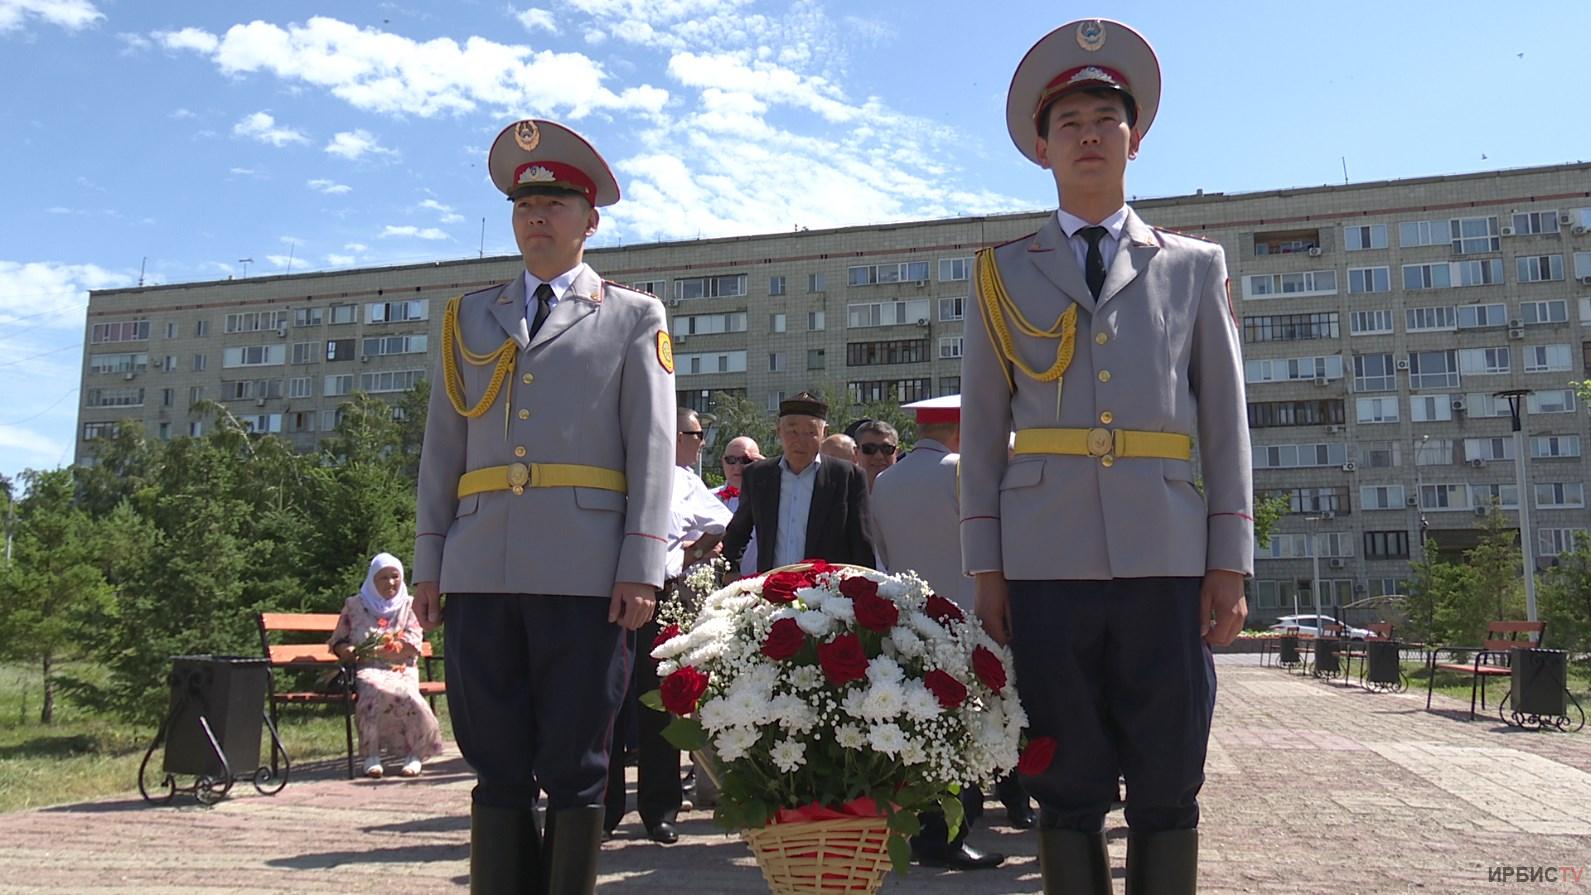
(1419, 497)
(1517, 408)
(1314, 554)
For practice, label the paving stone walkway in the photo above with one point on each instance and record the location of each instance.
(1313, 788)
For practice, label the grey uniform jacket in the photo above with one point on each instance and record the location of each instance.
(592, 389)
(915, 516)
(1159, 352)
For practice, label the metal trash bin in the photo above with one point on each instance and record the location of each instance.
(1327, 657)
(1383, 665)
(1288, 650)
(1540, 677)
(212, 728)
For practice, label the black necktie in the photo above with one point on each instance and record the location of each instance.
(1094, 264)
(543, 308)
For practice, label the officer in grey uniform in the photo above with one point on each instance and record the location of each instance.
(1107, 345)
(545, 482)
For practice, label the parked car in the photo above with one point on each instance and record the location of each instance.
(1309, 624)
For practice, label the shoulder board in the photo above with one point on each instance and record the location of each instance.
(1184, 235)
(1023, 238)
(488, 292)
(612, 284)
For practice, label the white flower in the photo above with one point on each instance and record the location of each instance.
(814, 622)
(893, 589)
(715, 714)
(850, 736)
(734, 742)
(852, 704)
(885, 670)
(884, 700)
(666, 668)
(887, 738)
(921, 704)
(840, 608)
(927, 627)
(792, 713)
(806, 677)
(913, 753)
(788, 755)
(908, 643)
(811, 597)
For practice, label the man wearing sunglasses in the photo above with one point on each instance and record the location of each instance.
(738, 454)
(879, 446)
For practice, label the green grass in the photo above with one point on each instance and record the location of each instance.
(82, 757)
(1457, 684)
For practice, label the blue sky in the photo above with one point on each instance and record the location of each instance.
(187, 136)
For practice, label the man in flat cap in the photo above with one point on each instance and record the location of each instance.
(1107, 346)
(546, 536)
(802, 505)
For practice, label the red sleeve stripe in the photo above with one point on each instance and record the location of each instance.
(1243, 516)
(642, 534)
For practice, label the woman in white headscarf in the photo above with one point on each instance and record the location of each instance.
(389, 712)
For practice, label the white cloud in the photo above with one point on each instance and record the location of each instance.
(25, 447)
(356, 247)
(243, 172)
(413, 232)
(329, 187)
(262, 127)
(73, 15)
(382, 72)
(356, 144)
(341, 260)
(133, 43)
(449, 216)
(537, 20)
(180, 114)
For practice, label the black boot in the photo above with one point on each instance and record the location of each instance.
(569, 854)
(1163, 863)
(505, 851)
(1074, 863)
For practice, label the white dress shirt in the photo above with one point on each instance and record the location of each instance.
(560, 286)
(748, 558)
(795, 505)
(1071, 224)
(695, 511)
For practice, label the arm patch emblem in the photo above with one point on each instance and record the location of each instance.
(665, 351)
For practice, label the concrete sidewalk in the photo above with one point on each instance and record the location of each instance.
(1313, 787)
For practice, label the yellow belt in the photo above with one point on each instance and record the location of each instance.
(1105, 442)
(516, 477)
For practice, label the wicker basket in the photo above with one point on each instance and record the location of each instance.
(824, 856)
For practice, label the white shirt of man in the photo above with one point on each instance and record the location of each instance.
(560, 286)
(748, 558)
(1071, 224)
(795, 505)
(695, 512)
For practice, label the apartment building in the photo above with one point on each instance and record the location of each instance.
(1378, 320)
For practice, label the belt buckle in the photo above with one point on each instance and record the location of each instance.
(1100, 442)
(518, 477)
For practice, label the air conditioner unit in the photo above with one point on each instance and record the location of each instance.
(922, 321)
(1314, 251)
(1566, 218)
(1321, 382)
(1338, 563)
(1477, 462)
(1458, 404)
(1507, 230)
(674, 302)
(1481, 511)
(1516, 324)
(259, 402)
(364, 358)
(1402, 363)
(1350, 466)
(1412, 501)
(1334, 428)
(920, 284)
(1361, 588)
(129, 376)
(679, 340)
(1578, 230)
(281, 331)
(1516, 334)
(1585, 280)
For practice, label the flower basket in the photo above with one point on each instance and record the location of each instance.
(822, 856)
(838, 703)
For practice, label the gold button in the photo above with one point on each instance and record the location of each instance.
(1104, 375)
(1107, 461)
(1101, 339)
(518, 489)
(519, 451)
(524, 414)
(528, 378)
(1106, 416)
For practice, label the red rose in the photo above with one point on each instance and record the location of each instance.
(780, 587)
(665, 635)
(728, 493)
(875, 613)
(842, 659)
(949, 691)
(989, 669)
(858, 586)
(819, 566)
(1037, 756)
(943, 611)
(682, 689)
(785, 639)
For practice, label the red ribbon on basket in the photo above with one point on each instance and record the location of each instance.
(861, 806)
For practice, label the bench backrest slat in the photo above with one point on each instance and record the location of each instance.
(319, 623)
(1506, 635)
(299, 622)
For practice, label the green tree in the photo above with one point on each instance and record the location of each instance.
(123, 464)
(1268, 510)
(1566, 601)
(53, 584)
(1497, 565)
(736, 416)
(1442, 605)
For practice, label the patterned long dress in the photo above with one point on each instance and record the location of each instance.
(389, 712)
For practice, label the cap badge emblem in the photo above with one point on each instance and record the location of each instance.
(537, 174)
(1091, 35)
(1092, 73)
(528, 135)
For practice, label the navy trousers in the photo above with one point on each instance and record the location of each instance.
(1118, 673)
(659, 792)
(533, 685)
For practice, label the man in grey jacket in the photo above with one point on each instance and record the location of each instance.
(545, 482)
(1107, 345)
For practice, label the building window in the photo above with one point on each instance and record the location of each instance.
(343, 314)
(954, 269)
(1560, 495)
(1543, 447)
(880, 274)
(1311, 282)
(815, 283)
(1559, 400)
(1430, 408)
(708, 362)
(1547, 358)
(816, 359)
(92, 431)
(1374, 373)
(1482, 361)
(1299, 456)
(1472, 235)
(338, 384)
(125, 331)
(895, 351)
(201, 328)
(1430, 319)
(729, 286)
(1381, 497)
(1444, 496)
(339, 349)
(1323, 369)
(262, 422)
(1488, 449)
(1307, 501)
(1557, 541)
(254, 356)
(949, 385)
(1433, 369)
(1553, 311)
(305, 352)
(385, 345)
(1371, 323)
(776, 285)
(116, 397)
(887, 313)
(654, 288)
(1482, 316)
(168, 397)
(1386, 544)
(255, 321)
(952, 308)
(195, 394)
(1378, 410)
(774, 398)
(163, 431)
(1371, 236)
(1379, 454)
(1273, 414)
(200, 361)
(171, 330)
(776, 362)
(1540, 268)
(307, 316)
(398, 311)
(389, 381)
(1364, 280)
(776, 323)
(298, 387)
(1427, 276)
(709, 324)
(250, 389)
(949, 347)
(1422, 233)
(1292, 327)
(1530, 223)
(1503, 497)
(1286, 242)
(896, 391)
(815, 321)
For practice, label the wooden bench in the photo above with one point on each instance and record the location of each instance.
(1491, 657)
(297, 663)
